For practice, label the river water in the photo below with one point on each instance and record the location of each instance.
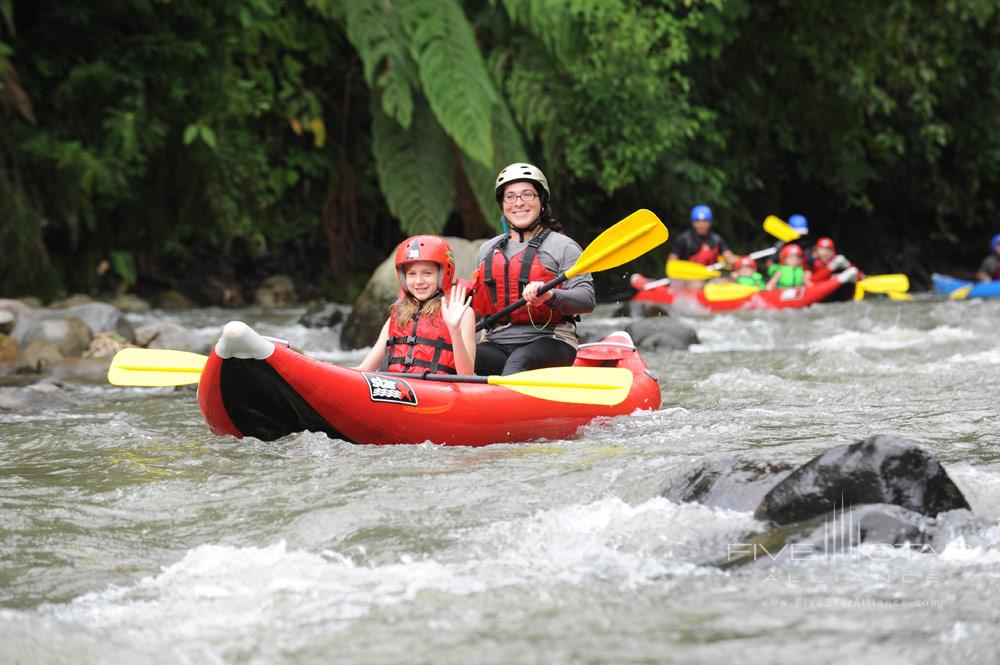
(129, 534)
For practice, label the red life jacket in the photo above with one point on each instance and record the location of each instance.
(424, 345)
(500, 281)
(819, 269)
(705, 255)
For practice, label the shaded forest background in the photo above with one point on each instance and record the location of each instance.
(201, 145)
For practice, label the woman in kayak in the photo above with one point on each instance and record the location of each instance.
(531, 252)
(427, 330)
(789, 272)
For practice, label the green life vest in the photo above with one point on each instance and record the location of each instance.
(790, 275)
(755, 280)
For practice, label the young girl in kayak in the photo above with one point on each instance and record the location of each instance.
(746, 273)
(790, 272)
(427, 330)
(531, 252)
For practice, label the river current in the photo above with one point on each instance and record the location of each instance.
(130, 534)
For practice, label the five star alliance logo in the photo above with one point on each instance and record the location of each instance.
(390, 389)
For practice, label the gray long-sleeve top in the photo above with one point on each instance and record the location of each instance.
(557, 253)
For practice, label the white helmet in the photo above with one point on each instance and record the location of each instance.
(521, 171)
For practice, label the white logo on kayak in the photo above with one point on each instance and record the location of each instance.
(389, 389)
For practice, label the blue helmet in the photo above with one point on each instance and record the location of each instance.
(701, 213)
(994, 241)
(799, 223)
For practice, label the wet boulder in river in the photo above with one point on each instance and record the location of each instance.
(880, 469)
(662, 333)
(732, 483)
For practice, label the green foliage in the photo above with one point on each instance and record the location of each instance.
(415, 168)
(151, 135)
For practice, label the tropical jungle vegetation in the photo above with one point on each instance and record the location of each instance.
(193, 144)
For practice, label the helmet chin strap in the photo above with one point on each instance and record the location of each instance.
(531, 227)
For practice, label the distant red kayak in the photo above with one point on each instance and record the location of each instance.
(800, 296)
(251, 386)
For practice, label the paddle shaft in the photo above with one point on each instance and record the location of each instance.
(759, 254)
(509, 380)
(487, 322)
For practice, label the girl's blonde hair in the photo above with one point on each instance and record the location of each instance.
(407, 308)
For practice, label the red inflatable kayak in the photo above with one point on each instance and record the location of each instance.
(800, 296)
(252, 386)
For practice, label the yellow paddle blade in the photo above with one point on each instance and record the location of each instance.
(859, 292)
(780, 229)
(689, 270)
(631, 237)
(897, 295)
(885, 283)
(155, 367)
(579, 385)
(732, 291)
(960, 293)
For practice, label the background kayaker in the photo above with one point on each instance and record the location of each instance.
(515, 264)
(989, 269)
(745, 272)
(824, 260)
(426, 330)
(700, 243)
(789, 272)
(800, 224)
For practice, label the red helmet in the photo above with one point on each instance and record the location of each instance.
(827, 243)
(746, 262)
(790, 250)
(426, 248)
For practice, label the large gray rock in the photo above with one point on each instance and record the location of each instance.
(662, 333)
(70, 335)
(880, 469)
(7, 321)
(10, 312)
(176, 337)
(276, 291)
(372, 306)
(98, 316)
(34, 398)
(324, 315)
(732, 483)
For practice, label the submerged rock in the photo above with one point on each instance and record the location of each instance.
(34, 397)
(662, 333)
(323, 315)
(732, 483)
(880, 469)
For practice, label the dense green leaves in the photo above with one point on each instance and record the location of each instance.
(153, 137)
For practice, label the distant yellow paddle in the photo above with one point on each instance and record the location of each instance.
(890, 283)
(578, 385)
(629, 238)
(679, 269)
(715, 292)
(780, 229)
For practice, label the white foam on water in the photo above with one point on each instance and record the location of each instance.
(892, 337)
(608, 539)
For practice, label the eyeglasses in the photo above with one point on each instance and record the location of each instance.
(527, 196)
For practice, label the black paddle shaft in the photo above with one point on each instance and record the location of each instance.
(487, 322)
(447, 378)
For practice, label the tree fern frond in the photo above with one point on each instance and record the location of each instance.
(555, 22)
(509, 149)
(453, 74)
(415, 170)
(375, 29)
